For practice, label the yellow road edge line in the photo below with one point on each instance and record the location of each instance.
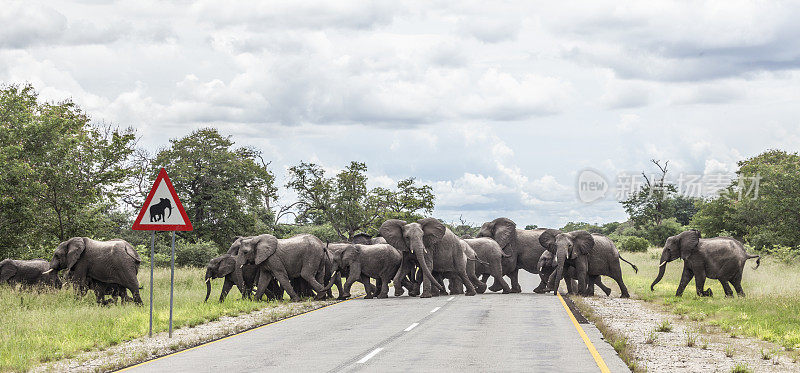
(596, 355)
(233, 335)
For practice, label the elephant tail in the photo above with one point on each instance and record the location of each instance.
(758, 260)
(635, 269)
(477, 260)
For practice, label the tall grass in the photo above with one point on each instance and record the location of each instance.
(771, 310)
(41, 327)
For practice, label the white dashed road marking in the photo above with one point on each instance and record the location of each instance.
(414, 325)
(451, 298)
(435, 309)
(369, 355)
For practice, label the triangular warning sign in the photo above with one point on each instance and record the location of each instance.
(162, 210)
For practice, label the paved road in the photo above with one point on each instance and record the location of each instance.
(488, 332)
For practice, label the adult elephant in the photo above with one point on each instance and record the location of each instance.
(113, 262)
(28, 273)
(720, 258)
(435, 248)
(362, 262)
(522, 247)
(592, 254)
(548, 264)
(283, 259)
(366, 239)
(489, 257)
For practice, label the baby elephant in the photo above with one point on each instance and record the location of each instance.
(361, 262)
(28, 273)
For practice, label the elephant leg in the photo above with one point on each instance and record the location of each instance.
(699, 282)
(484, 277)
(226, 287)
(480, 286)
(599, 282)
(544, 279)
(726, 288)
(368, 287)
(426, 282)
(462, 272)
(686, 276)
(456, 286)
(286, 284)
(514, 277)
(263, 283)
(497, 273)
(617, 276)
(351, 278)
(737, 284)
(310, 275)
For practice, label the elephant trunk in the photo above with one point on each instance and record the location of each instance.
(238, 278)
(208, 283)
(419, 251)
(561, 256)
(170, 211)
(334, 275)
(662, 267)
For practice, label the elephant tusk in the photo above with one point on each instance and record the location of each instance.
(662, 264)
(47, 271)
(208, 280)
(241, 266)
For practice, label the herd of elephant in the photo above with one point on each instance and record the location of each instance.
(416, 257)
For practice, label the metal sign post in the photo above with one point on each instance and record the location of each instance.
(157, 216)
(152, 259)
(171, 281)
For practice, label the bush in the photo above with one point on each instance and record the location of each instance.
(194, 254)
(632, 243)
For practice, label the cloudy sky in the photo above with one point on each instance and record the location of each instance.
(497, 105)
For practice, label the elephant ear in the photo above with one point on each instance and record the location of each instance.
(266, 245)
(351, 254)
(583, 241)
(432, 231)
(504, 232)
(392, 231)
(75, 249)
(226, 266)
(548, 239)
(7, 270)
(688, 242)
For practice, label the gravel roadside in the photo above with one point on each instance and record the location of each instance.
(142, 349)
(668, 351)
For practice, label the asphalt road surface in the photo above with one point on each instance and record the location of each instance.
(488, 332)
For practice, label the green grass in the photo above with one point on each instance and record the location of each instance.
(42, 327)
(771, 310)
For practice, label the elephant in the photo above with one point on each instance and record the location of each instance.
(28, 273)
(719, 258)
(523, 248)
(488, 251)
(455, 285)
(114, 262)
(435, 248)
(283, 259)
(592, 255)
(547, 265)
(157, 210)
(101, 289)
(380, 261)
(365, 239)
(223, 267)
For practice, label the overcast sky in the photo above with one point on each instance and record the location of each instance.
(497, 105)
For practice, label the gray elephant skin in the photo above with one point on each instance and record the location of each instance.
(434, 247)
(283, 259)
(114, 262)
(489, 257)
(548, 264)
(719, 258)
(223, 266)
(362, 262)
(523, 248)
(592, 255)
(28, 273)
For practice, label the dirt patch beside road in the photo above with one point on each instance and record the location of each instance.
(669, 350)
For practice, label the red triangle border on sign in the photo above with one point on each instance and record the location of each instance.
(137, 224)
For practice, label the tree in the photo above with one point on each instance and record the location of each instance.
(531, 227)
(651, 204)
(226, 191)
(762, 205)
(61, 174)
(345, 201)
